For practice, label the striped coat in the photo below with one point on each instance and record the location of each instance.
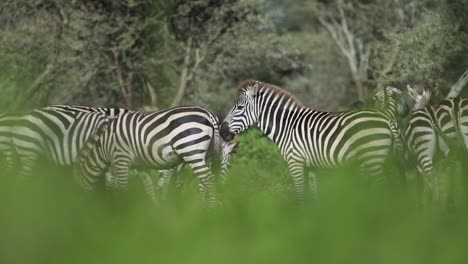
(310, 138)
(159, 140)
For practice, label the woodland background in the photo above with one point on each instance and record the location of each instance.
(154, 54)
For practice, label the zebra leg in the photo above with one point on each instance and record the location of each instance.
(7, 159)
(149, 186)
(296, 169)
(433, 180)
(120, 170)
(312, 180)
(27, 165)
(207, 186)
(167, 177)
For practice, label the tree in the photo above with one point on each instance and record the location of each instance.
(351, 43)
(198, 26)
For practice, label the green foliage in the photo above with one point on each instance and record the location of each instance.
(49, 220)
(420, 52)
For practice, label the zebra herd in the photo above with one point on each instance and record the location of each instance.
(315, 139)
(108, 144)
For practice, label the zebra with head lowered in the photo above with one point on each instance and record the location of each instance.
(435, 128)
(159, 140)
(228, 148)
(310, 138)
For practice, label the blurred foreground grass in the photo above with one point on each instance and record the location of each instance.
(50, 220)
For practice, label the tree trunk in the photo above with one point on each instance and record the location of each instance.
(360, 88)
(153, 95)
(128, 96)
(183, 81)
(458, 86)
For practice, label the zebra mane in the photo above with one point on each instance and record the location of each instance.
(270, 87)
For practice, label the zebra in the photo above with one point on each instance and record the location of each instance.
(435, 128)
(390, 100)
(228, 148)
(159, 140)
(55, 132)
(307, 137)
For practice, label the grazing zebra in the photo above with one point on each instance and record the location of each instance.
(159, 140)
(433, 129)
(310, 138)
(228, 148)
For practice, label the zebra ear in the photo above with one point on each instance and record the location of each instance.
(253, 90)
(427, 92)
(412, 93)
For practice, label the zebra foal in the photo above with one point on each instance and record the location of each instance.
(159, 140)
(310, 138)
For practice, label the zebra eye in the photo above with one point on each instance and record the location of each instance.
(240, 107)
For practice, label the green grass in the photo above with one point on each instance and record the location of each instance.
(48, 219)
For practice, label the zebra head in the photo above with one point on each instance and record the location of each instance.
(244, 112)
(228, 148)
(421, 100)
(391, 99)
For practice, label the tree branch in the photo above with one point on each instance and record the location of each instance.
(184, 74)
(459, 85)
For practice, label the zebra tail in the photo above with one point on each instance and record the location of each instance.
(398, 150)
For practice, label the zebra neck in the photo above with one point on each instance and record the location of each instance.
(277, 120)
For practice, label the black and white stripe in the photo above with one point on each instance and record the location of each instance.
(310, 138)
(159, 140)
(391, 102)
(433, 129)
(7, 122)
(228, 148)
(56, 133)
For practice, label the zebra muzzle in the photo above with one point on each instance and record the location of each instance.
(226, 134)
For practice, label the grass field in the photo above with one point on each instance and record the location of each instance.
(48, 219)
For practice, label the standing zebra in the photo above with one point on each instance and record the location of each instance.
(310, 138)
(159, 140)
(56, 133)
(433, 129)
